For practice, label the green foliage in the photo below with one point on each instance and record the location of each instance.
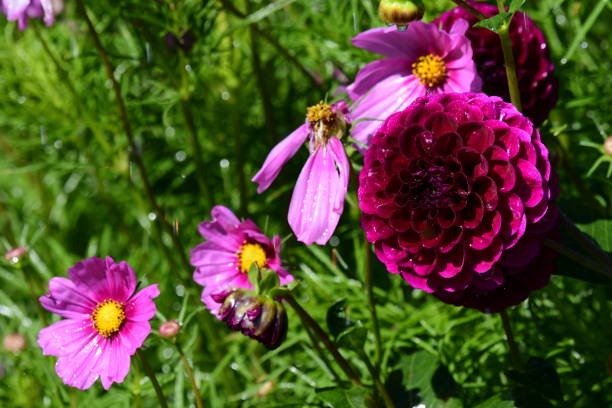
(69, 190)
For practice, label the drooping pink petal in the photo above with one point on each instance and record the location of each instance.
(376, 71)
(80, 369)
(65, 336)
(278, 156)
(118, 364)
(314, 212)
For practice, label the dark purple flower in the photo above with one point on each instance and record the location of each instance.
(456, 196)
(259, 317)
(537, 83)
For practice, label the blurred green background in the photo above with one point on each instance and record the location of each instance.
(69, 190)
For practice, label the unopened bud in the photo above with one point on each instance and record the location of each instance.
(169, 328)
(608, 145)
(400, 12)
(259, 317)
(15, 255)
(14, 342)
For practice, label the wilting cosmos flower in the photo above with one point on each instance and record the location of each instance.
(537, 83)
(231, 247)
(318, 198)
(457, 195)
(21, 10)
(259, 317)
(106, 320)
(420, 61)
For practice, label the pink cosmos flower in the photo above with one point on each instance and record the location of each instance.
(231, 247)
(318, 198)
(21, 10)
(420, 61)
(106, 320)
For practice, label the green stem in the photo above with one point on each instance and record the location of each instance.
(375, 377)
(506, 42)
(320, 333)
(134, 154)
(322, 355)
(372, 304)
(584, 29)
(515, 355)
(151, 375)
(189, 371)
(471, 9)
(575, 256)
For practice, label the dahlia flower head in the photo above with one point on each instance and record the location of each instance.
(106, 320)
(22, 10)
(422, 60)
(223, 261)
(538, 85)
(457, 196)
(318, 197)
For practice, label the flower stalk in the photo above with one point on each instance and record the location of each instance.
(189, 372)
(320, 333)
(372, 304)
(472, 10)
(515, 355)
(134, 154)
(506, 42)
(151, 374)
(375, 377)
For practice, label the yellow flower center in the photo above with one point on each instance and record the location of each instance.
(320, 112)
(430, 69)
(108, 317)
(250, 254)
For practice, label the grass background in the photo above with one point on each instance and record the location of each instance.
(68, 190)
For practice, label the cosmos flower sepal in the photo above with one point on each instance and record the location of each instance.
(267, 283)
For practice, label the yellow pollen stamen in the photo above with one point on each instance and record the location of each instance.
(249, 254)
(108, 317)
(320, 112)
(430, 69)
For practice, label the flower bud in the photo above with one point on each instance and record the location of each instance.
(607, 146)
(259, 317)
(14, 342)
(400, 12)
(169, 328)
(15, 255)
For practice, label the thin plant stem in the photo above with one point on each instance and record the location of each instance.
(506, 43)
(262, 85)
(149, 372)
(371, 303)
(317, 347)
(134, 154)
(472, 10)
(515, 355)
(581, 259)
(584, 29)
(189, 371)
(375, 377)
(320, 333)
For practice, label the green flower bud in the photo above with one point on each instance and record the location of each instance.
(400, 12)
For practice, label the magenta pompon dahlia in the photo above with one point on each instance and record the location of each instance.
(106, 320)
(223, 261)
(456, 196)
(318, 198)
(22, 10)
(538, 85)
(422, 60)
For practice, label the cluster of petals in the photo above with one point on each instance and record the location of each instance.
(318, 198)
(457, 196)
(85, 352)
(390, 84)
(223, 260)
(22, 10)
(538, 85)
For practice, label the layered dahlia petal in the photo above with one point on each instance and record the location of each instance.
(537, 82)
(278, 157)
(454, 193)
